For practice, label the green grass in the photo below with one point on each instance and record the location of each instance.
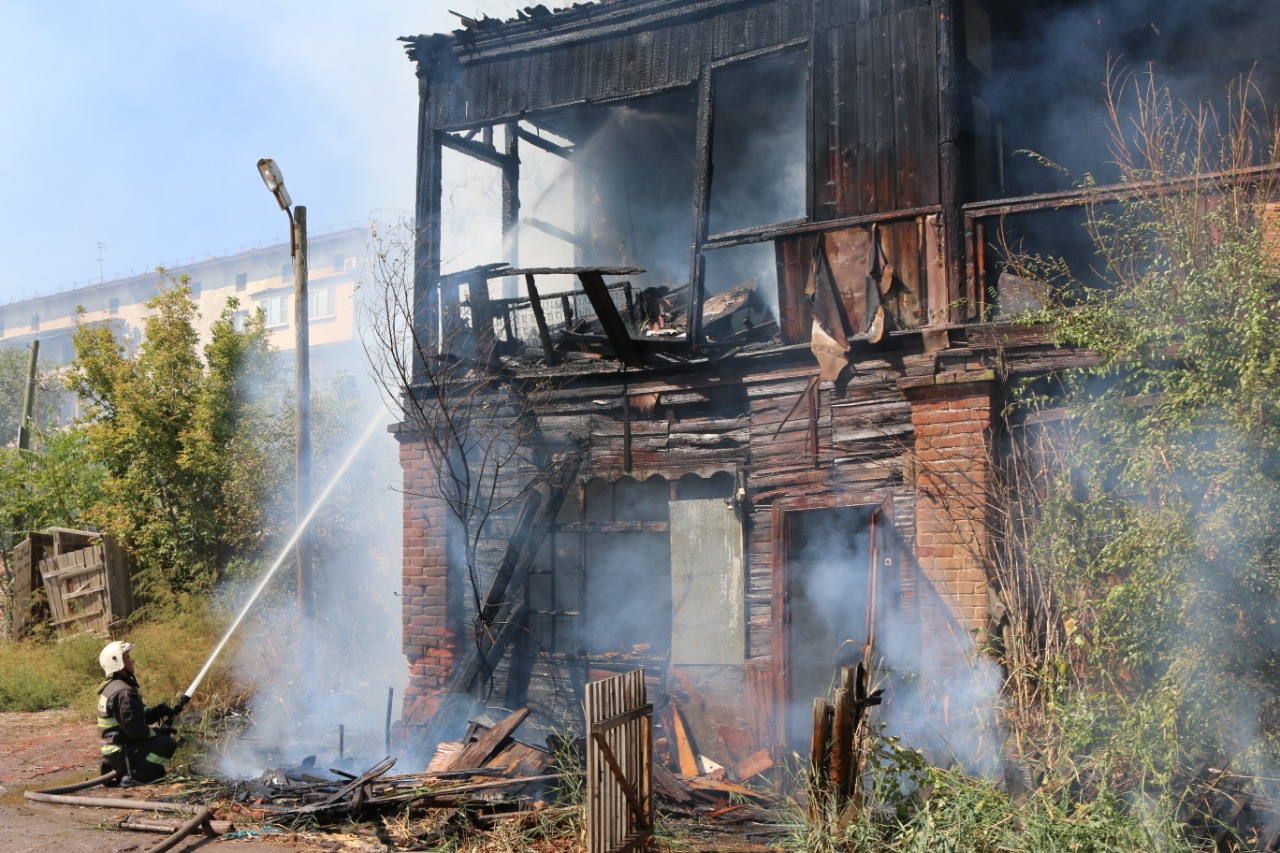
(42, 674)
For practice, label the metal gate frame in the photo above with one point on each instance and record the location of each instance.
(619, 765)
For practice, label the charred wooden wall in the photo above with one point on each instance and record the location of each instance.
(881, 149)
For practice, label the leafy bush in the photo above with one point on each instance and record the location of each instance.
(913, 807)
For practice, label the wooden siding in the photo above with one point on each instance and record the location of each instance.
(876, 109)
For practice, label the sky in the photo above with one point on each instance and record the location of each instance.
(131, 131)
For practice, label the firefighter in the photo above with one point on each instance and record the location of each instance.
(132, 744)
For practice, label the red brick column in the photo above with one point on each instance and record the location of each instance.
(430, 643)
(952, 415)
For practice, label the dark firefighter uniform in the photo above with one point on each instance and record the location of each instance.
(130, 746)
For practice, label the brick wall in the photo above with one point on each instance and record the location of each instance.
(952, 417)
(430, 640)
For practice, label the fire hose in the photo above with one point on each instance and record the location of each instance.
(59, 795)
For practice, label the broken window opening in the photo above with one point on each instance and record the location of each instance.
(602, 187)
(545, 234)
(603, 581)
(555, 587)
(741, 284)
(628, 568)
(634, 175)
(758, 145)
(470, 211)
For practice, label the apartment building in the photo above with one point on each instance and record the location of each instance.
(258, 279)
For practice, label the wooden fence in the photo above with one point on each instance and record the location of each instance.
(619, 765)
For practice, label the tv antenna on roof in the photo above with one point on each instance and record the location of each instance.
(102, 248)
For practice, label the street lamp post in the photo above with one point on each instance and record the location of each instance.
(302, 403)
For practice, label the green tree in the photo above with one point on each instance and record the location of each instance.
(13, 381)
(174, 433)
(53, 486)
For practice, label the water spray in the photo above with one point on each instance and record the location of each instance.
(288, 547)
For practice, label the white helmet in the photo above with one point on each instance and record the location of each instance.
(112, 657)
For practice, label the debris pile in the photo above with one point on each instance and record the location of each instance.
(492, 775)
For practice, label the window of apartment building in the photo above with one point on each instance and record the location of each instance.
(35, 322)
(113, 305)
(239, 320)
(242, 281)
(195, 288)
(286, 271)
(1, 327)
(340, 262)
(277, 308)
(322, 302)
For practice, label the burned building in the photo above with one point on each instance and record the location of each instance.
(744, 255)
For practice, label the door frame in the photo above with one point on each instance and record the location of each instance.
(880, 503)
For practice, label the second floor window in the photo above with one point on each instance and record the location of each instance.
(277, 308)
(322, 302)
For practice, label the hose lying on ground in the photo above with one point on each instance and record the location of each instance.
(58, 795)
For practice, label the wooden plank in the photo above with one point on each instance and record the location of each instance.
(751, 766)
(476, 754)
(686, 759)
(843, 771)
(818, 751)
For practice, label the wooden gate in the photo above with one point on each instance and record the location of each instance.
(619, 765)
(88, 589)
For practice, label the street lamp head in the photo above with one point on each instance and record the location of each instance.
(275, 182)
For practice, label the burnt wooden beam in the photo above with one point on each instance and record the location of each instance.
(578, 271)
(1112, 192)
(814, 399)
(511, 194)
(701, 202)
(426, 262)
(553, 231)
(617, 526)
(746, 236)
(951, 76)
(540, 318)
(481, 318)
(610, 320)
(483, 271)
(545, 144)
(479, 150)
(626, 432)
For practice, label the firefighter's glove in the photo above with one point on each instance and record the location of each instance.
(164, 730)
(159, 712)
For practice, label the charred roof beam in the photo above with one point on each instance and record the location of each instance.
(485, 153)
(545, 144)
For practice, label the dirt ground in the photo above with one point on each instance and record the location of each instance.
(51, 748)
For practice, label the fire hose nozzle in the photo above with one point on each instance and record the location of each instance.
(178, 706)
